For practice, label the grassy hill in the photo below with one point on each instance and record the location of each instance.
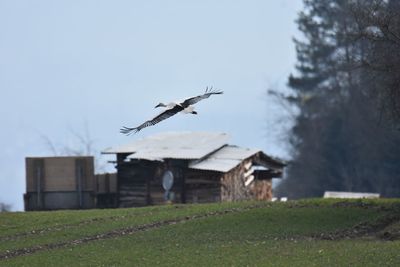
(299, 233)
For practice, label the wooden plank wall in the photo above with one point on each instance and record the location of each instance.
(233, 188)
(262, 189)
(106, 183)
(178, 190)
(202, 186)
(53, 180)
(59, 173)
(34, 174)
(140, 183)
(85, 168)
(133, 183)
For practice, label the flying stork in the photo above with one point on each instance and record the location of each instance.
(172, 109)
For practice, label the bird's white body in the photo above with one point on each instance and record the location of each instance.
(171, 105)
(189, 109)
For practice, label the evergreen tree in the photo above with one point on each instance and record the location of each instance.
(338, 141)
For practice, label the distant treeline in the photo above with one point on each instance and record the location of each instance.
(347, 88)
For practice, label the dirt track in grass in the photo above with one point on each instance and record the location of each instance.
(114, 233)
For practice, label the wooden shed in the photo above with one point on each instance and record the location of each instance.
(191, 167)
(66, 183)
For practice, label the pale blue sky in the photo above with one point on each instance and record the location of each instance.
(64, 64)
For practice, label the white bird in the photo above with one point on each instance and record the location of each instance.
(172, 109)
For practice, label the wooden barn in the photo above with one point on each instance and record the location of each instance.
(67, 183)
(191, 167)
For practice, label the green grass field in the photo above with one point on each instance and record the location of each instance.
(299, 233)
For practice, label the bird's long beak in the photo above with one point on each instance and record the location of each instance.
(159, 105)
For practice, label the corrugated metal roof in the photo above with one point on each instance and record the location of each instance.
(224, 159)
(179, 145)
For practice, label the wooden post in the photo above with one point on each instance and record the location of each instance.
(107, 183)
(79, 178)
(183, 187)
(39, 180)
(38, 185)
(120, 160)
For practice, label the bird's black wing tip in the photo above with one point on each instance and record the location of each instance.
(128, 131)
(209, 90)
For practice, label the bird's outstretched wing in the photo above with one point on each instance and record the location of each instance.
(160, 117)
(194, 100)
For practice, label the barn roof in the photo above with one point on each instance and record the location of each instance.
(174, 145)
(224, 159)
